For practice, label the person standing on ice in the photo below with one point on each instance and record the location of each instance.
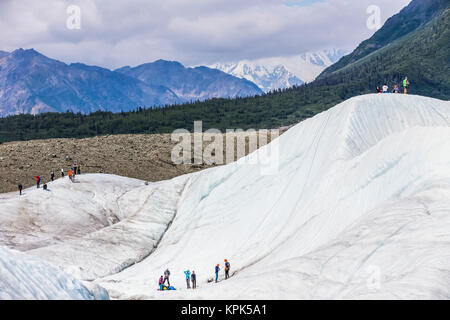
(20, 188)
(385, 88)
(70, 175)
(217, 269)
(62, 173)
(227, 269)
(79, 169)
(38, 180)
(188, 278)
(52, 176)
(194, 279)
(161, 280)
(405, 85)
(166, 277)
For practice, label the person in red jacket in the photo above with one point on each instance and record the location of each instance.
(38, 181)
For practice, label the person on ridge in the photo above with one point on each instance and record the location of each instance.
(161, 279)
(378, 89)
(227, 269)
(62, 173)
(188, 278)
(385, 88)
(70, 175)
(217, 269)
(166, 277)
(79, 169)
(405, 85)
(194, 279)
(38, 180)
(395, 90)
(20, 188)
(52, 176)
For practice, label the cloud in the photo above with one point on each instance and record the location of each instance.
(117, 33)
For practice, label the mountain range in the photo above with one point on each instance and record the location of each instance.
(191, 84)
(33, 83)
(282, 72)
(420, 52)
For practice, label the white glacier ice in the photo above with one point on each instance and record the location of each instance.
(26, 277)
(358, 208)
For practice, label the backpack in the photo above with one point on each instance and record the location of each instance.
(227, 265)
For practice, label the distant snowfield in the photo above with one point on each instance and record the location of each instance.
(358, 209)
(282, 72)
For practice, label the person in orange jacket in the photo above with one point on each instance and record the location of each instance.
(70, 175)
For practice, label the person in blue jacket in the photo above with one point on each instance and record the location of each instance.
(227, 269)
(188, 278)
(217, 272)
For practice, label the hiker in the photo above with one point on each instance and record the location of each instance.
(79, 169)
(45, 186)
(227, 269)
(62, 173)
(70, 175)
(405, 85)
(188, 278)
(74, 169)
(217, 269)
(395, 90)
(38, 180)
(166, 277)
(194, 279)
(161, 283)
(378, 89)
(52, 176)
(20, 188)
(385, 88)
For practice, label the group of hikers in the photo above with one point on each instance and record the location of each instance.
(191, 277)
(396, 89)
(74, 170)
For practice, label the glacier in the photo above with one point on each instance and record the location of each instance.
(25, 277)
(359, 208)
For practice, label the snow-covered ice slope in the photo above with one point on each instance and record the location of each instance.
(358, 208)
(25, 277)
(66, 211)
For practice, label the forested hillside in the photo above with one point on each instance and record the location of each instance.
(422, 55)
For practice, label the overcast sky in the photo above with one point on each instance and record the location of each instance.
(115, 33)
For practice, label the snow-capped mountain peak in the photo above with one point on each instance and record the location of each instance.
(282, 72)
